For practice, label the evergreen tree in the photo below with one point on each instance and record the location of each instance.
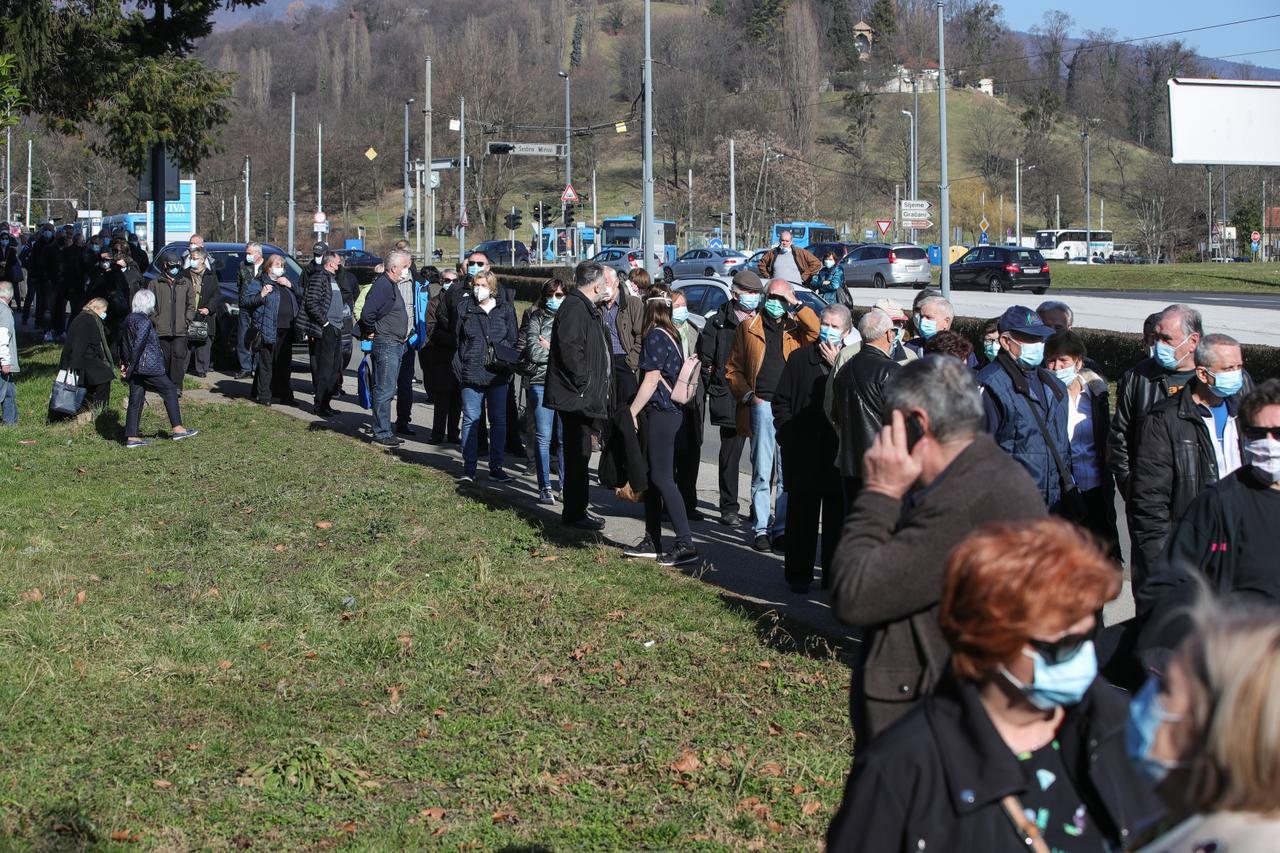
(575, 54)
(882, 17)
(840, 36)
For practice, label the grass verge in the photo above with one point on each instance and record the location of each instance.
(275, 637)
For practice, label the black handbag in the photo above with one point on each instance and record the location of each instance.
(67, 395)
(198, 330)
(498, 357)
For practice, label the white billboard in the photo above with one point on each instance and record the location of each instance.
(1225, 122)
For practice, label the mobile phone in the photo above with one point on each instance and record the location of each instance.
(915, 431)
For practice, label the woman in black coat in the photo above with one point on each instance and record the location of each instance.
(87, 353)
(1021, 746)
(809, 445)
(483, 320)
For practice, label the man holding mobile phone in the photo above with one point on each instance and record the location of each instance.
(930, 476)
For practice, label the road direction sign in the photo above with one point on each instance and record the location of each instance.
(370, 153)
(983, 239)
(1255, 236)
(870, 234)
(918, 224)
(984, 225)
(884, 225)
(569, 196)
(914, 208)
(435, 180)
(715, 243)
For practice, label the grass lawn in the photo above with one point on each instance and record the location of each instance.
(1188, 278)
(281, 638)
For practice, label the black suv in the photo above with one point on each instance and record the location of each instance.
(499, 253)
(841, 250)
(1001, 268)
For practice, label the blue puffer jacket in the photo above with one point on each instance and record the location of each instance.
(138, 341)
(473, 325)
(265, 309)
(1010, 420)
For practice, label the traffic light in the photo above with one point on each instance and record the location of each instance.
(510, 221)
(515, 219)
(568, 215)
(501, 148)
(537, 211)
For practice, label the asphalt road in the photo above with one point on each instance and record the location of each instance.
(1226, 300)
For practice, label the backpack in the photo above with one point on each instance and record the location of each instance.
(686, 387)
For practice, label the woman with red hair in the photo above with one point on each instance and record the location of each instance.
(1021, 745)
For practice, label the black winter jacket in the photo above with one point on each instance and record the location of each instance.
(806, 437)
(475, 331)
(714, 343)
(316, 298)
(858, 405)
(86, 350)
(1175, 462)
(580, 369)
(935, 781)
(1139, 388)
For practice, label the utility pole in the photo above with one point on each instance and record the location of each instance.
(594, 222)
(1208, 247)
(733, 199)
(914, 187)
(319, 168)
(247, 226)
(1088, 196)
(1017, 200)
(293, 150)
(426, 158)
(649, 243)
(266, 216)
(235, 217)
(945, 200)
(568, 140)
(897, 206)
(1263, 255)
(8, 174)
(462, 176)
(688, 238)
(408, 193)
(1222, 232)
(1057, 211)
(27, 221)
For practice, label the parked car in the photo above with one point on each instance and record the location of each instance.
(705, 295)
(753, 261)
(842, 250)
(704, 262)
(620, 258)
(887, 264)
(1001, 268)
(227, 258)
(361, 264)
(499, 253)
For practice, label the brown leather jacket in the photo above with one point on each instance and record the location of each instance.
(630, 325)
(747, 354)
(807, 262)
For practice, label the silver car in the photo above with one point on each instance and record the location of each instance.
(887, 265)
(705, 262)
(620, 258)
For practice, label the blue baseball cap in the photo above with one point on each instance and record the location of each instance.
(1024, 321)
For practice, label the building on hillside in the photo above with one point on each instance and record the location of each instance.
(863, 39)
(987, 86)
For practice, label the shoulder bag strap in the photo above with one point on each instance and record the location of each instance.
(680, 350)
(1064, 474)
(1027, 831)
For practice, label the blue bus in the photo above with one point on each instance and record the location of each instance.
(132, 223)
(805, 234)
(624, 232)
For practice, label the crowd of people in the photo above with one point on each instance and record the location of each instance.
(958, 496)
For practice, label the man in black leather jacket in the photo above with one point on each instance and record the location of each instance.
(857, 399)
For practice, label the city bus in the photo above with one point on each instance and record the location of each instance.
(1065, 244)
(624, 232)
(132, 223)
(805, 234)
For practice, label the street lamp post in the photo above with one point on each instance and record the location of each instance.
(944, 199)
(568, 143)
(913, 189)
(1088, 195)
(408, 193)
(266, 216)
(1018, 169)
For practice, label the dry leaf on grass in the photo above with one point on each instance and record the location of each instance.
(810, 807)
(503, 817)
(80, 596)
(162, 784)
(123, 834)
(687, 762)
(774, 730)
(434, 813)
(770, 768)
(279, 549)
(224, 665)
(797, 788)
(33, 594)
(764, 664)
(323, 525)
(348, 826)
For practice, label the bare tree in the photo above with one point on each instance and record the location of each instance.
(1050, 39)
(801, 73)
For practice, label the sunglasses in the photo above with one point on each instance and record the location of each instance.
(1064, 648)
(1259, 433)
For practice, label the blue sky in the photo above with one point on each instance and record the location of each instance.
(1134, 18)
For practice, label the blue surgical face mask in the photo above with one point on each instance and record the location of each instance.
(749, 301)
(446, 283)
(898, 332)
(472, 269)
(1226, 383)
(1058, 684)
(1032, 354)
(553, 303)
(102, 315)
(680, 315)
(1166, 355)
(926, 327)
(991, 349)
(1146, 714)
(774, 308)
(830, 335)
(1067, 374)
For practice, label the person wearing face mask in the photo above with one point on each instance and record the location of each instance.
(1026, 407)
(10, 365)
(579, 384)
(929, 478)
(990, 338)
(1088, 418)
(437, 369)
(808, 444)
(204, 281)
(321, 319)
(485, 323)
(1021, 746)
(933, 314)
(70, 287)
(11, 267)
(714, 345)
(45, 264)
(1228, 537)
(175, 309)
(316, 264)
(788, 262)
(688, 451)
(1188, 442)
(534, 346)
(87, 353)
(624, 317)
(247, 281)
(828, 282)
(857, 396)
(386, 318)
(1204, 730)
(272, 309)
(761, 347)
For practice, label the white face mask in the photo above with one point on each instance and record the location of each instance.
(482, 294)
(1263, 455)
(405, 275)
(829, 263)
(605, 295)
(277, 272)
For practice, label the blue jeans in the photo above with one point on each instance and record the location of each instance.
(247, 359)
(387, 355)
(545, 421)
(404, 388)
(473, 397)
(8, 399)
(766, 458)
